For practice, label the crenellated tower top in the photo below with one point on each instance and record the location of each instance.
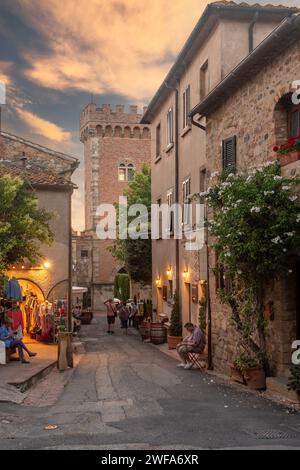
(107, 122)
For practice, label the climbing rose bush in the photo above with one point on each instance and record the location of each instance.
(256, 220)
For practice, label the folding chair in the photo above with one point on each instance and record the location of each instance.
(197, 359)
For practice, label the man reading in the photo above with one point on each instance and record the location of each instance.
(194, 342)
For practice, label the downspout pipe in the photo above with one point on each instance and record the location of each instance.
(208, 311)
(251, 31)
(176, 92)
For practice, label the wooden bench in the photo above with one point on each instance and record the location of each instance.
(197, 359)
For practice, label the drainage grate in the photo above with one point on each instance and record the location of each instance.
(272, 434)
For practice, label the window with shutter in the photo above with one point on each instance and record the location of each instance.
(294, 118)
(229, 153)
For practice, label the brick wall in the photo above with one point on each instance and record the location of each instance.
(110, 137)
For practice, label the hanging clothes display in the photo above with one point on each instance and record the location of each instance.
(13, 290)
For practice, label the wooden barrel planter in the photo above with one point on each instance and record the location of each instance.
(144, 329)
(86, 318)
(158, 333)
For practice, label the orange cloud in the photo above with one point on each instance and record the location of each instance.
(108, 46)
(4, 72)
(43, 127)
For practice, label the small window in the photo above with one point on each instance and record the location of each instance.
(170, 136)
(294, 121)
(203, 184)
(186, 192)
(122, 172)
(229, 153)
(84, 254)
(158, 202)
(186, 189)
(170, 200)
(186, 107)
(158, 141)
(126, 172)
(130, 172)
(204, 80)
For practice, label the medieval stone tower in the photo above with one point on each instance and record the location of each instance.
(115, 146)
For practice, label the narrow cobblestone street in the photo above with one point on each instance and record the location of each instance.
(124, 394)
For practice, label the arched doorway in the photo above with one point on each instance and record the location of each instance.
(29, 286)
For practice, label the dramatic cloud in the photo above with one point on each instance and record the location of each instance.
(43, 127)
(120, 47)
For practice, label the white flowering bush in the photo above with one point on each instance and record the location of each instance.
(255, 226)
(256, 221)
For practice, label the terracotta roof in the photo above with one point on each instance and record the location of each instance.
(199, 35)
(74, 161)
(257, 6)
(34, 175)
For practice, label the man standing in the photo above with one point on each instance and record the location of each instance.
(194, 342)
(111, 311)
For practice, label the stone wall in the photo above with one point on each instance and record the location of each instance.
(12, 148)
(252, 114)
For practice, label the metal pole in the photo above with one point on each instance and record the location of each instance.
(70, 265)
(209, 326)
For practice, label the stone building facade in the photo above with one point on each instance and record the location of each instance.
(254, 107)
(48, 278)
(223, 37)
(115, 146)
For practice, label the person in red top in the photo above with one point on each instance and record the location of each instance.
(17, 322)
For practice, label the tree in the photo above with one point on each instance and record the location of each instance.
(175, 328)
(122, 287)
(255, 226)
(135, 254)
(23, 226)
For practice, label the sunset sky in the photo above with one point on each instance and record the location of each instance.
(54, 54)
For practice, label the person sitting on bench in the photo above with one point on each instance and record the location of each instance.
(194, 342)
(8, 337)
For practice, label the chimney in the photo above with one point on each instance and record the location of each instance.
(23, 160)
(106, 108)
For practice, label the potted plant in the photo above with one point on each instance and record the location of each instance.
(175, 328)
(254, 228)
(288, 152)
(249, 370)
(294, 379)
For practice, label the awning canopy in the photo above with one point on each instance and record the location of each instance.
(79, 290)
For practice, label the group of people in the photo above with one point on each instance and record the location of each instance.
(12, 331)
(194, 342)
(125, 312)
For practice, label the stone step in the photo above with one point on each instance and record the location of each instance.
(277, 387)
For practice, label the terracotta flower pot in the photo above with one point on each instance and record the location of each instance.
(237, 375)
(290, 157)
(173, 341)
(255, 378)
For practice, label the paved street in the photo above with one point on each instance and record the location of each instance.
(124, 394)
